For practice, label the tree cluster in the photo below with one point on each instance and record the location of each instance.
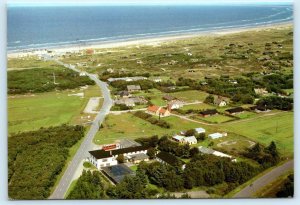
(36, 158)
(275, 102)
(179, 150)
(266, 157)
(88, 186)
(39, 80)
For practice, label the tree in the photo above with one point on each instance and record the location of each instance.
(191, 132)
(194, 151)
(151, 152)
(120, 158)
(209, 99)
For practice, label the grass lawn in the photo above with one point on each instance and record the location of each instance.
(214, 119)
(245, 114)
(201, 106)
(28, 63)
(128, 126)
(190, 95)
(27, 113)
(155, 95)
(276, 127)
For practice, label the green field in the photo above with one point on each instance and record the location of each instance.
(277, 127)
(128, 126)
(28, 63)
(201, 106)
(214, 119)
(190, 95)
(30, 112)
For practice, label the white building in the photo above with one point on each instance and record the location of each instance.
(190, 140)
(178, 138)
(206, 150)
(215, 135)
(200, 130)
(175, 104)
(101, 158)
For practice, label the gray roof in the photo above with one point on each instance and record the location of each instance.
(140, 156)
(117, 172)
(133, 87)
(205, 150)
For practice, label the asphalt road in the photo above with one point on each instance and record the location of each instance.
(87, 144)
(266, 179)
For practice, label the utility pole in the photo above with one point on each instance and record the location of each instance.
(55, 83)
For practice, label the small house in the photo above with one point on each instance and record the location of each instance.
(158, 111)
(215, 135)
(190, 140)
(207, 113)
(178, 138)
(220, 101)
(124, 94)
(168, 98)
(200, 130)
(175, 104)
(133, 88)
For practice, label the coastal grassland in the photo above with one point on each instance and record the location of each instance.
(214, 119)
(29, 62)
(30, 112)
(44, 80)
(277, 127)
(128, 126)
(198, 57)
(190, 95)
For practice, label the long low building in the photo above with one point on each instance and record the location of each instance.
(206, 150)
(101, 158)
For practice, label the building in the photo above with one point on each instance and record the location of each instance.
(235, 110)
(116, 173)
(167, 158)
(178, 138)
(158, 111)
(82, 73)
(101, 158)
(175, 104)
(216, 135)
(137, 158)
(124, 94)
(125, 101)
(190, 140)
(168, 98)
(206, 150)
(200, 130)
(259, 108)
(207, 113)
(157, 80)
(133, 88)
(220, 101)
(127, 79)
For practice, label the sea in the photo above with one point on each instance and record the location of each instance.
(56, 26)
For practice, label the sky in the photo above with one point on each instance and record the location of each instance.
(140, 2)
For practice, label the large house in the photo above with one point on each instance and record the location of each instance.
(158, 111)
(206, 150)
(102, 158)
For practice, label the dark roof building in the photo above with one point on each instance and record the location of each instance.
(235, 110)
(209, 112)
(258, 107)
(100, 154)
(117, 173)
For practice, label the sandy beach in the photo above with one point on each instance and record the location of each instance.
(152, 41)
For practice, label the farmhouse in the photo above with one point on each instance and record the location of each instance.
(175, 104)
(200, 130)
(158, 111)
(216, 135)
(101, 158)
(133, 88)
(207, 113)
(125, 101)
(219, 101)
(190, 140)
(235, 110)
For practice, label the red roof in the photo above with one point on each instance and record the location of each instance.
(153, 108)
(162, 111)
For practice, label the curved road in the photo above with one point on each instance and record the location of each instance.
(266, 179)
(87, 144)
